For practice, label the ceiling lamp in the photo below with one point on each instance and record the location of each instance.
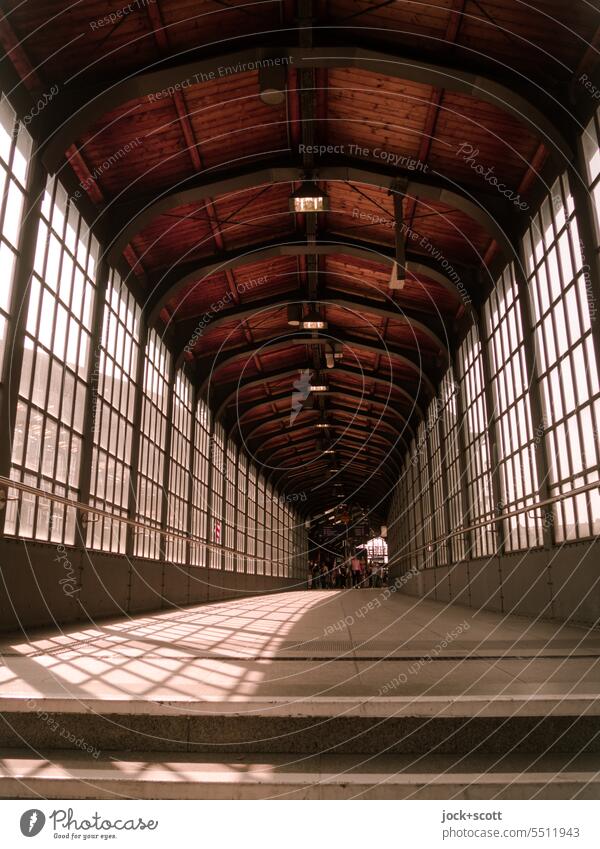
(271, 83)
(325, 447)
(308, 198)
(322, 423)
(333, 353)
(398, 278)
(313, 320)
(318, 384)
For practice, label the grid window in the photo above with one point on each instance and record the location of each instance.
(216, 495)
(478, 476)
(230, 504)
(251, 519)
(287, 566)
(52, 392)
(200, 503)
(242, 510)
(153, 438)
(512, 412)
(565, 360)
(421, 460)
(15, 154)
(179, 467)
(437, 481)
(269, 510)
(260, 525)
(417, 536)
(114, 378)
(277, 546)
(450, 424)
(591, 152)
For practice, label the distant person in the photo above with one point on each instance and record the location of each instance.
(356, 568)
(377, 570)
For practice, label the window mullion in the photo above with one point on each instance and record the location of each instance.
(15, 339)
(92, 398)
(136, 436)
(538, 423)
(492, 424)
(584, 217)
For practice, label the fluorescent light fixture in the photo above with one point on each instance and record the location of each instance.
(308, 198)
(313, 320)
(317, 384)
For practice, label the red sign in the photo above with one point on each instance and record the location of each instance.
(217, 532)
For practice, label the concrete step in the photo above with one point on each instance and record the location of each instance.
(141, 775)
(450, 726)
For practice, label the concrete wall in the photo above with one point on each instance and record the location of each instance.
(561, 583)
(41, 584)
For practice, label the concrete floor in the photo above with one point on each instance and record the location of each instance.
(320, 694)
(355, 650)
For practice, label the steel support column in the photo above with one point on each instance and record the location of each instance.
(538, 421)
(136, 426)
(14, 346)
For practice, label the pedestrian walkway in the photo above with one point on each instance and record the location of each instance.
(321, 674)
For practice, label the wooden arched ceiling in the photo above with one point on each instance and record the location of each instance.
(158, 116)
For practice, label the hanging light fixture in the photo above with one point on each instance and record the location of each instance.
(313, 320)
(271, 83)
(309, 198)
(325, 447)
(318, 384)
(333, 353)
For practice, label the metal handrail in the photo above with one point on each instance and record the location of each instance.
(562, 496)
(429, 547)
(133, 523)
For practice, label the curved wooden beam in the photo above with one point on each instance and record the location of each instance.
(385, 419)
(389, 451)
(326, 297)
(126, 220)
(331, 373)
(196, 273)
(75, 108)
(305, 338)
